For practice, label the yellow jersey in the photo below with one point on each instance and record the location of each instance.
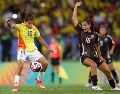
(26, 37)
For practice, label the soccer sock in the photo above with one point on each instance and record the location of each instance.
(89, 78)
(52, 77)
(17, 79)
(60, 80)
(112, 83)
(94, 80)
(40, 75)
(115, 75)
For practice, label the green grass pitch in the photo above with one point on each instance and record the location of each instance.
(54, 89)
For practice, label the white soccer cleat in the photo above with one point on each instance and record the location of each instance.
(118, 85)
(96, 88)
(116, 88)
(88, 85)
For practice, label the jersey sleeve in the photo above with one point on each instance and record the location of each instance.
(17, 27)
(111, 42)
(78, 27)
(96, 38)
(37, 33)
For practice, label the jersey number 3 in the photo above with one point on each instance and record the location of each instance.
(29, 33)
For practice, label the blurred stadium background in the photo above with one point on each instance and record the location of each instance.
(53, 18)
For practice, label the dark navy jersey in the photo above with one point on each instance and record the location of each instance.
(105, 45)
(87, 41)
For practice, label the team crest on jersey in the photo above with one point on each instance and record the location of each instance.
(106, 39)
(92, 36)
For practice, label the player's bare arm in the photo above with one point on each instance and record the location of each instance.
(74, 16)
(99, 52)
(40, 39)
(112, 50)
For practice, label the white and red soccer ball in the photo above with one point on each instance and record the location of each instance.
(35, 66)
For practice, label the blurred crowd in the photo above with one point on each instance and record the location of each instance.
(53, 19)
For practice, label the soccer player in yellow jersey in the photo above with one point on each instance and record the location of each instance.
(26, 47)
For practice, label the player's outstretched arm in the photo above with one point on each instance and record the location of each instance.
(74, 16)
(41, 40)
(10, 23)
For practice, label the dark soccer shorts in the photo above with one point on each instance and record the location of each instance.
(96, 59)
(55, 61)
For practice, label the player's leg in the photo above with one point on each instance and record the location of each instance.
(44, 63)
(21, 59)
(18, 75)
(36, 56)
(52, 73)
(111, 67)
(18, 72)
(53, 63)
(105, 69)
(58, 71)
(90, 63)
(89, 80)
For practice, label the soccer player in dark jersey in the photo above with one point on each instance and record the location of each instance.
(107, 47)
(90, 51)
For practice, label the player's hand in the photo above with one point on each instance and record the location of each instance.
(102, 59)
(111, 52)
(50, 50)
(78, 4)
(10, 23)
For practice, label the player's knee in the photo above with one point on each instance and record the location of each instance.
(45, 65)
(94, 65)
(20, 64)
(108, 72)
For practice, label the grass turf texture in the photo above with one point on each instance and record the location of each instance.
(54, 89)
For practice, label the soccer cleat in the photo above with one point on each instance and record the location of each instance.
(88, 85)
(116, 88)
(15, 88)
(118, 85)
(40, 83)
(96, 88)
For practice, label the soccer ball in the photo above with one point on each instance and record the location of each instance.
(35, 66)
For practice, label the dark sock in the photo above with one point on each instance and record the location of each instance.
(60, 80)
(112, 83)
(52, 75)
(115, 75)
(94, 80)
(89, 78)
